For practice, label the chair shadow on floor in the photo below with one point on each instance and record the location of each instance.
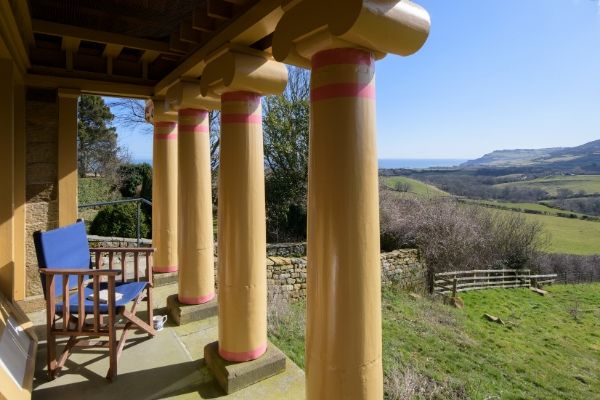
(78, 381)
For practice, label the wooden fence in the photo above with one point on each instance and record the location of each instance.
(450, 283)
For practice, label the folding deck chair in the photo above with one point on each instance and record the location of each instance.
(69, 279)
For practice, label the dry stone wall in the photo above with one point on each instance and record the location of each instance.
(287, 276)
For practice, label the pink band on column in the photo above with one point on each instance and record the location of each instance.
(243, 356)
(169, 268)
(192, 112)
(165, 136)
(195, 300)
(200, 128)
(341, 56)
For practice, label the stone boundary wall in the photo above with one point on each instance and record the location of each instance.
(274, 249)
(287, 276)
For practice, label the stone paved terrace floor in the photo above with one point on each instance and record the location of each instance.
(169, 366)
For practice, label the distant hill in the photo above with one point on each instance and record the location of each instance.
(586, 156)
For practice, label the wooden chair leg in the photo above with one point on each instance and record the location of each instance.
(65, 355)
(51, 354)
(150, 308)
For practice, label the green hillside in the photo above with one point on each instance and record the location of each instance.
(549, 347)
(590, 184)
(571, 236)
(412, 186)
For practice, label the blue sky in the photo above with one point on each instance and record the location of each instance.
(493, 75)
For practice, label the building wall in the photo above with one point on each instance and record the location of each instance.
(41, 115)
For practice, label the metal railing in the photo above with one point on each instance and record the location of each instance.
(138, 200)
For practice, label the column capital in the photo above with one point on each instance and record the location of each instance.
(69, 93)
(156, 110)
(187, 94)
(235, 69)
(379, 26)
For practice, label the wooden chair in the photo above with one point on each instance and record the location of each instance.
(70, 279)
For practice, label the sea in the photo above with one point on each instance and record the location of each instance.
(420, 163)
(409, 163)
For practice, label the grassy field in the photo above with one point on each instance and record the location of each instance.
(414, 186)
(537, 207)
(590, 184)
(548, 349)
(571, 236)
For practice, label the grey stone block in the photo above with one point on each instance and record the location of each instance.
(236, 376)
(182, 314)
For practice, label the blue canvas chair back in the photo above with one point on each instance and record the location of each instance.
(65, 248)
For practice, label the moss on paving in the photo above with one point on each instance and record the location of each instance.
(549, 347)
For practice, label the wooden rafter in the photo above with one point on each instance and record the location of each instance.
(51, 28)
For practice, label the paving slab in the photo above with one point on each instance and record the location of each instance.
(169, 366)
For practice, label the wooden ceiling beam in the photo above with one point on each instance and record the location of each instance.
(256, 22)
(177, 45)
(90, 83)
(201, 21)
(219, 9)
(92, 35)
(190, 35)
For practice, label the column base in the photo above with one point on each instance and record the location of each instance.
(182, 314)
(233, 376)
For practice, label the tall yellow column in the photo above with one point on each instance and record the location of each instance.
(241, 78)
(242, 230)
(195, 224)
(67, 156)
(343, 332)
(20, 274)
(7, 127)
(164, 192)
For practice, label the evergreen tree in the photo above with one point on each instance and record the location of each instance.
(97, 149)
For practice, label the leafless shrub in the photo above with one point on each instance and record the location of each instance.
(282, 314)
(454, 236)
(569, 268)
(574, 311)
(407, 384)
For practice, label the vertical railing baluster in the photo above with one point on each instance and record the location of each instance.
(66, 315)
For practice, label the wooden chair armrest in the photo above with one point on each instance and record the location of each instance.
(82, 272)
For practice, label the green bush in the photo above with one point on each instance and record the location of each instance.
(119, 220)
(136, 180)
(92, 190)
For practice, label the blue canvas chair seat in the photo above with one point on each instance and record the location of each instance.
(129, 291)
(66, 269)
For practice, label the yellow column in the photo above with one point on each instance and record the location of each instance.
(6, 177)
(164, 194)
(343, 333)
(67, 156)
(19, 194)
(241, 77)
(195, 224)
(242, 230)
